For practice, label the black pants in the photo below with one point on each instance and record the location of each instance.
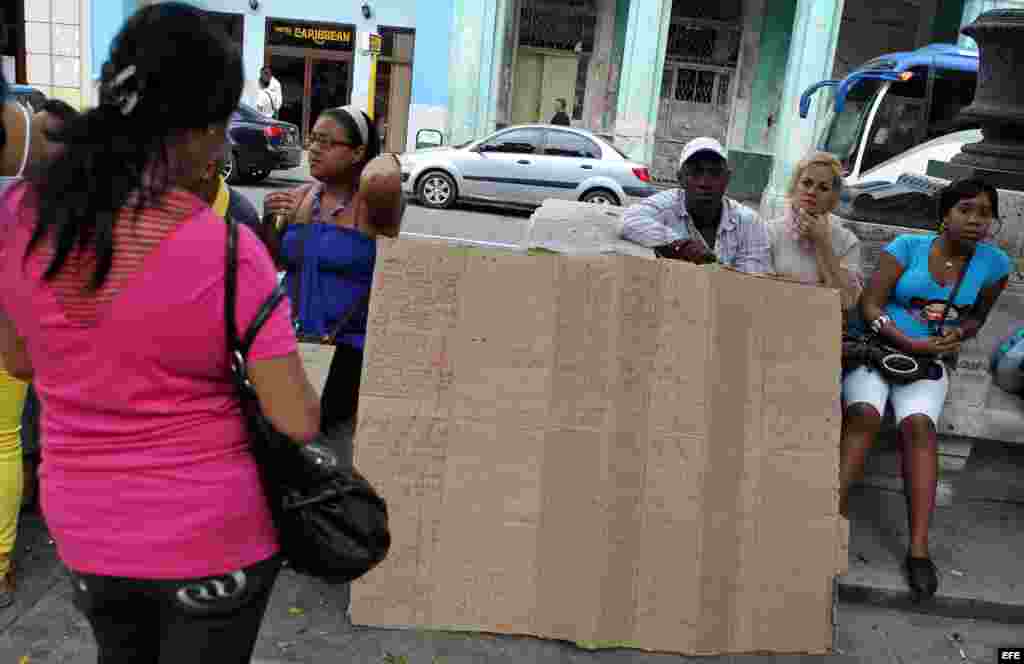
(212, 620)
(340, 399)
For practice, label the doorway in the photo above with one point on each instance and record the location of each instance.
(313, 62)
(542, 76)
(329, 86)
(393, 92)
(290, 71)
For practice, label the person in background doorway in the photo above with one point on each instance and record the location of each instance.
(328, 246)
(274, 94)
(809, 243)
(15, 143)
(698, 223)
(561, 117)
(114, 275)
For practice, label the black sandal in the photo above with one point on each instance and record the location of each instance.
(922, 577)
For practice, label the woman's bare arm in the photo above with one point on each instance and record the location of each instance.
(13, 351)
(286, 396)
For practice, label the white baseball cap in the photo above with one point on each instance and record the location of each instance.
(702, 144)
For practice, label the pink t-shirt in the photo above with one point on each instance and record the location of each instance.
(146, 471)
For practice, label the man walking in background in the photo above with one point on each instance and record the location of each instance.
(561, 117)
(271, 96)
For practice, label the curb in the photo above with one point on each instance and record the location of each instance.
(946, 606)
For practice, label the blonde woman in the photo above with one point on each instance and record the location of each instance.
(809, 243)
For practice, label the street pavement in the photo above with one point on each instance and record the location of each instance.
(977, 539)
(476, 223)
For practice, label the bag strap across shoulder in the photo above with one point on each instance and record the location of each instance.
(238, 347)
(953, 293)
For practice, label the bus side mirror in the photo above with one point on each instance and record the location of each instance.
(429, 138)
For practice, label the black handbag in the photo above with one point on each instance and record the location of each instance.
(330, 521)
(895, 365)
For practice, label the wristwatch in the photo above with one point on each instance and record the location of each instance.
(879, 323)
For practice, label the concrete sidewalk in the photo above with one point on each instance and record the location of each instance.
(977, 537)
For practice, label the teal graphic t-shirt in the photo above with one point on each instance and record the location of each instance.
(917, 301)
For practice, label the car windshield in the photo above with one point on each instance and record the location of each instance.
(842, 130)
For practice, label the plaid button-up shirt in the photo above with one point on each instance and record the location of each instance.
(742, 242)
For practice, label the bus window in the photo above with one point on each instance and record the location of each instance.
(842, 135)
(951, 93)
(900, 122)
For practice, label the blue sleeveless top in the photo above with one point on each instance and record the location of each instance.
(329, 272)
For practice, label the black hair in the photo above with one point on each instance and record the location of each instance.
(59, 109)
(117, 154)
(971, 187)
(349, 125)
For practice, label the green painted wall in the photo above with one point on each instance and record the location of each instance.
(771, 69)
(946, 25)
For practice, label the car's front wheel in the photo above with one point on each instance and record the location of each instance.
(437, 190)
(600, 197)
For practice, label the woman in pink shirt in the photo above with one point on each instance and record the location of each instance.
(113, 275)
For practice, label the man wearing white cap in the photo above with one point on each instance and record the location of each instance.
(698, 223)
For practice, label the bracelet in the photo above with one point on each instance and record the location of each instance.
(879, 323)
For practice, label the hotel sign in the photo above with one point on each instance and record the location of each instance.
(301, 34)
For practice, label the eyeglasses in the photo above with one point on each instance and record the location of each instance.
(327, 141)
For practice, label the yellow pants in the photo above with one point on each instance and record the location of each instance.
(12, 400)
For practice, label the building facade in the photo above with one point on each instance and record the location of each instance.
(45, 44)
(319, 51)
(652, 74)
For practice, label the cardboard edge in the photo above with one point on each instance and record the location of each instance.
(470, 632)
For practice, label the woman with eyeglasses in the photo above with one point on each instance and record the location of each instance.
(326, 240)
(904, 304)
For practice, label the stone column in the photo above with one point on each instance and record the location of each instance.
(975, 8)
(602, 60)
(475, 67)
(811, 54)
(643, 62)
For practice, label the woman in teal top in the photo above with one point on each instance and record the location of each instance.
(904, 304)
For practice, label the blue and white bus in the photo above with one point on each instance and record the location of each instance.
(893, 103)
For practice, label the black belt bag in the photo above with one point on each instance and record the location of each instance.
(896, 366)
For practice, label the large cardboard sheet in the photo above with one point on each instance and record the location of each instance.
(602, 449)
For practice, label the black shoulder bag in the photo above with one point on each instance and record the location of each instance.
(895, 365)
(330, 521)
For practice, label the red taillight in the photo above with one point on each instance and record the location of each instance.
(642, 174)
(273, 132)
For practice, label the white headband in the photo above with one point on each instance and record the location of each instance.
(360, 119)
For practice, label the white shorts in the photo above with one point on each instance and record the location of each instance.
(922, 397)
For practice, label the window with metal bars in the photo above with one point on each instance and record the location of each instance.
(558, 24)
(697, 86)
(691, 42)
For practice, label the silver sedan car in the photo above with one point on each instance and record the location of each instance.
(522, 166)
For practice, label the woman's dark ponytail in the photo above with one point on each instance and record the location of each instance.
(170, 70)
